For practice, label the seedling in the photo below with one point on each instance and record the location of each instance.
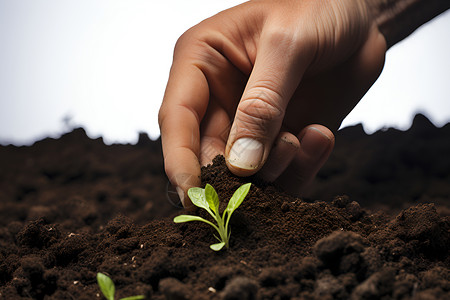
(108, 289)
(208, 199)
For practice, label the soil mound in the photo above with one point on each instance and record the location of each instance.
(72, 207)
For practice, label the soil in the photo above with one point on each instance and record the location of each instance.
(375, 224)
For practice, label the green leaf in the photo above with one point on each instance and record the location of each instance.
(188, 218)
(106, 286)
(212, 198)
(237, 198)
(218, 246)
(197, 196)
(138, 297)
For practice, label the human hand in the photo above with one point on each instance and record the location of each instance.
(265, 74)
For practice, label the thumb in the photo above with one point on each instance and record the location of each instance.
(278, 69)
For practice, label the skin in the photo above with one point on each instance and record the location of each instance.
(271, 71)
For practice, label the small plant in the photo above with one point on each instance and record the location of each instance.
(108, 289)
(208, 199)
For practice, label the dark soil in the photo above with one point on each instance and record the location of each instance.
(375, 225)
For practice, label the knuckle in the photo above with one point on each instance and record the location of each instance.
(161, 115)
(263, 102)
(187, 38)
(290, 41)
(182, 40)
(259, 109)
(283, 37)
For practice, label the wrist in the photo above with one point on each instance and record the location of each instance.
(396, 19)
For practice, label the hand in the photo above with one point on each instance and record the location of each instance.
(253, 83)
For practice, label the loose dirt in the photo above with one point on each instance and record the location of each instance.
(375, 224)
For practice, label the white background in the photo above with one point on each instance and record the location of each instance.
(103, 65)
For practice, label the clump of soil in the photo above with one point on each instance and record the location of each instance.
(72, 207)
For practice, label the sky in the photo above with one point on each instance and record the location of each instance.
(103, 65)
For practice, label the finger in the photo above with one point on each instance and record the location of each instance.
(283, 152)
(316, 144)
(184, 105)
(345, 85)
(278, 69)
(214, 132)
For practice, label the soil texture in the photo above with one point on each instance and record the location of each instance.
(375, 224)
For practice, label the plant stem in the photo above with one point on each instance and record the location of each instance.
(222, 231)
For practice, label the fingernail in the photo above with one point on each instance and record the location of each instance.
(314, 143)
(246, 153)
(180, 194)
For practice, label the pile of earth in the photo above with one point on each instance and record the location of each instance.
(375, 224)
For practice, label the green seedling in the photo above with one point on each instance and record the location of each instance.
(108, 289)
(208, 199)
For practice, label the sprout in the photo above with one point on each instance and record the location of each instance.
(108, 289)
(208, 199)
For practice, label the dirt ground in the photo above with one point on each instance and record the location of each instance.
(375, 224)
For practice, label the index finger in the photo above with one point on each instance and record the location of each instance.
(184, 104)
